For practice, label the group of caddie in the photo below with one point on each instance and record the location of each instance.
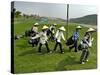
(57, 35)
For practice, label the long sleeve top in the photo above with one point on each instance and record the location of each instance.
(59, 35)
(88, 40)
(75, 36)
(35, 29)
(43, 37)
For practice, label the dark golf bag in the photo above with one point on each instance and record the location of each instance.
(69, 41)
(34, 42)
(48, 32)
(30, 33)
(17, 37)
(83, 45)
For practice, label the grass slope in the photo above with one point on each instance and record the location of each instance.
(27, 59)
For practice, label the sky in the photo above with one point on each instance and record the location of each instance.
(55, 10)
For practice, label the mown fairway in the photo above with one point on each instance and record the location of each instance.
(27, 59)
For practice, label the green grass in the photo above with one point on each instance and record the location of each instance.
(27, 59)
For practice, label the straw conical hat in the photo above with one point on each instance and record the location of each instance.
(62, 28)
(78, 27)
(90, 30)
(55, 24)
(36, 24)
(45, 27)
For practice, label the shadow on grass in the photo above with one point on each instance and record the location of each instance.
(68, 61)
(28, 52)
(34, 51)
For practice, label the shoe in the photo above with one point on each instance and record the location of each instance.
(82, 62)
(69, 49)
(50, 52)
(87, 60)
(75, 51)
(62, 52)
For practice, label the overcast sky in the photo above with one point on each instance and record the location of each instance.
(55, 10)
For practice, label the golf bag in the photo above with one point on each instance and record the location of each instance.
(17, 37)
(34, 42)
(82, 45)
(28, 33)
(69, 41)
(48, 32)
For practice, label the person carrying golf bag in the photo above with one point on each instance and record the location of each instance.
(86, 43)
(34, 42)
(58, 36)
(74, 39)
(43, 39)
(33, 31)
(52, 30)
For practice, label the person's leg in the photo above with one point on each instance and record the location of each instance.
(40, 45)
(87, 55)
(82, 58)
(75, 45)
(46, 44)
(60, 45)
(55, 46)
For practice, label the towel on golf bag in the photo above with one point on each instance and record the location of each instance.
(17, 37)
(69, 41)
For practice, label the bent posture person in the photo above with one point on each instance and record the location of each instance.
(75, 38)
(86, 43)
(58, 36)
(43, 39)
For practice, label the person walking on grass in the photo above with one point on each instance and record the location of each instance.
(86, 43)
(75, 38)
(58, 36)
(43, 39)
(52, 30)
(34, 29)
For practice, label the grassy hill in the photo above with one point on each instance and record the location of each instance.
(89, 19)
(27, 59)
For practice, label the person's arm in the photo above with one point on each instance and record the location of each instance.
(87, 42)
(73, 36)
(56, 34)
(63, 36)
(37, 36)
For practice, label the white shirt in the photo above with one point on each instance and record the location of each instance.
(35, 29)
(43, 37)
(59, 35)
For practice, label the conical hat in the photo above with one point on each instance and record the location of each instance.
(36, 24)
(45, 27)
(55, 24)
(62, 28)
(78, 27)
(90, 30)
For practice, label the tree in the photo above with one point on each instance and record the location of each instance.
(17, 14)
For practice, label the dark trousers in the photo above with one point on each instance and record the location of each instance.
(40, 45)
(84, 55)
(51, 36)
(74, 46)
(60, 45)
